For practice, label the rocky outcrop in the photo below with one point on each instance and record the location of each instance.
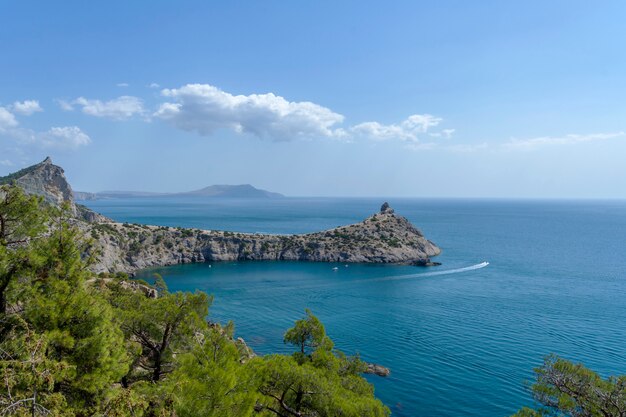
(384, 237)
(44, 179)
(136, 286)
(48, 181)
(84, 196)
(386, 208)
(88, 215)
(375, 369)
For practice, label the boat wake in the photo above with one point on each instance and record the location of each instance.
(272, 289)
(431, 274)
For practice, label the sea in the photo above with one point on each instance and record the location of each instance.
(460, 339)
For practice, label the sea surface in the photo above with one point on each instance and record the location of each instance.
(460, 339)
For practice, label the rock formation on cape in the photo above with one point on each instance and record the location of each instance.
(48, 181)
(384, 237)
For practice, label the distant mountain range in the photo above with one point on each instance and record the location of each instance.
(121, 247)
(214, 191)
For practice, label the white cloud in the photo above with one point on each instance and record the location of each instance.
(26, 107)
(64, 137)
(67, 137)
(6, 163)
(379, 131)
(204, 109)
(121, 108)
(65, 105)
(445, 133)
(408, 130)
(59, 137)
(123, 85)
(534, 143)
(7, 119)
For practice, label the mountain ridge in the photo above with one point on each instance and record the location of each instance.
(213, 191)
(384, 237)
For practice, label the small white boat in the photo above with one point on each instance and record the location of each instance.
(335, 268)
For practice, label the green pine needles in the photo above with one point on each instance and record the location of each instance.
(74, 344)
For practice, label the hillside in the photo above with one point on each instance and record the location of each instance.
(384, 237)
(48, 181)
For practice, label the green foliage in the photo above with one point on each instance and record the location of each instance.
(186, 232)
(308, 334)
(9, 179)
(394, 243)
(567, 389)
(22, 220)
(160, 285)
(315, 380)
(211, 380)
(291, 388)
(29, 375)
(77, 322)
(160, 327)
(135, 247)
(74, 344)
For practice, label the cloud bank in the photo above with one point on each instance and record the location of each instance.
(121, 108)
(7, 119)
(64, 137)
(408, 130)
(26, 107)
(68, 137)
(203, 108)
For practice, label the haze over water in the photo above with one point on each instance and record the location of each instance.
(457, 344)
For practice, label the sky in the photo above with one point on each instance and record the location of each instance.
(515, 99)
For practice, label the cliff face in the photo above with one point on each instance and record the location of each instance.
(44, 179)
(384, 237)
(48, 180)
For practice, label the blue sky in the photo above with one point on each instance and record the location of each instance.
(351, 98)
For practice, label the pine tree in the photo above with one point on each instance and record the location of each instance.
(22, 219)
(159, 327)
(212, 381)
(315, 380)
(567, 389)
(75, 319)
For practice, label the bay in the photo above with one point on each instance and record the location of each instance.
(459, 343)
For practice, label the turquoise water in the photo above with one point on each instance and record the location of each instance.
(458, 343)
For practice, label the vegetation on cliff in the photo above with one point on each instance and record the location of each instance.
(76, 344)
(72, 344)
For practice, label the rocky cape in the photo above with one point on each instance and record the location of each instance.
(384, 237)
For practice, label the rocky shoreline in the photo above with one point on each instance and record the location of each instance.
(384, 237)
